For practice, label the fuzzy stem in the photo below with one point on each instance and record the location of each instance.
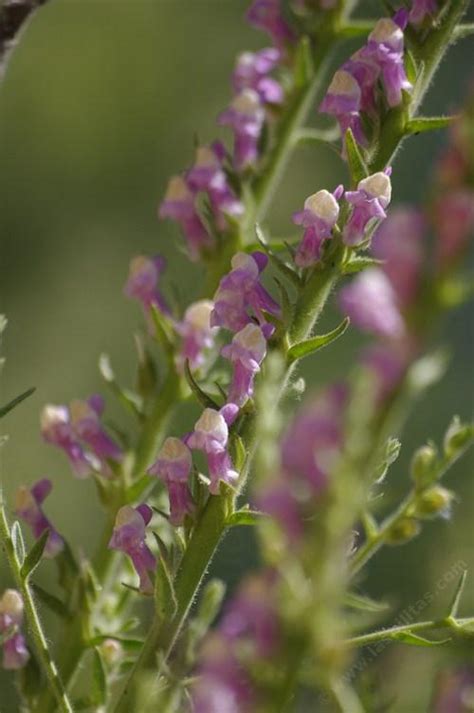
(39, 640)
(448, 623)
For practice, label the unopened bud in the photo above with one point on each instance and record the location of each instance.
(432, 502)
(423, 466)
(112, 651)
(457, 436)
(403, 531)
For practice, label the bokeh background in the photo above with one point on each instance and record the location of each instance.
(100, 106)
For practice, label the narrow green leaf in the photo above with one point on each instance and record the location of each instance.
(17, 400)
(357, 28)
(165, 597)
(146, 371)
(245, 517)
(163, 332)
(303, 349)
(453, 609)
(407, 637)
(391, 451)
(52, 602)
(286, 306)
(18, 542)
(99, 679)
(463, 30)
(309, 137)
(363, 603)
(357, 264)
(357, 166)
(428, 123)
(128, 398)
(135, 491)
(280, 265)
(203, 398)
(304, 67)
(34, 556)
(3, 323)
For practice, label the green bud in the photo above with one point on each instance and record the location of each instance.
(433, 501)
(403, 531)
(423, 470)
(211, 601)
(457, 437)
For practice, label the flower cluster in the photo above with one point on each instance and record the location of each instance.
(354, 90)
(321, 212)
(247, 635)
(28, 507)
(15, 653)
(78, 431)
(310, 451)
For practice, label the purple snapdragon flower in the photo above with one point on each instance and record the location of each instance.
(179, 204)
(266, 15)
(129, 537)
(142, 282)
(453, 219)
(28, 502)
(241, 298)
(385, 47)
(399, 243)
(211, 435)
(197, 334)
(15, 653)
(371, 303)
(246, 117)
(454, 691)
(369, 201)
(207, 175)
(173, 465)
(246, 352)
(420, 10)
(56, 428)
(343, 101)
(86, 424)
(252, 70)
(320, 214)
(365, 72)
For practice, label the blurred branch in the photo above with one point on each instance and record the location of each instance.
(13, 17)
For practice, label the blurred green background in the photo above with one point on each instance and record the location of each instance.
(100, 105)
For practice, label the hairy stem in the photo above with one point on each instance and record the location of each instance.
(391, 633)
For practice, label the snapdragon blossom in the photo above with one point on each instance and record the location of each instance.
(211, 435)
(246, 117)
(320, 214)
(143, 280)
(368, 203)
(266, 15)
(173, 465)
(28, 507)
(15, 653)
(246, 352)
(56, 429)
(180, 204)
(252, 72)
(241, 298)
(197, 334)
(129, 537)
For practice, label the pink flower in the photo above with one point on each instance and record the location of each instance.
(371, 303)
(266, 15)
(211, 436)
(28, 503)
(129, 537)
(320, 214)
(179, 204)
(15, 653)
(343, 101)
(369, 201)
(173, 466)
(421, 9)
(246, 352)
(197, 334)
(86, 424)
(246, 117)
(142, 282)
(56, 428)
(252, 70)
(385, 48)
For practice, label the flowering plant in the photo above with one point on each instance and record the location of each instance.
(308, 484)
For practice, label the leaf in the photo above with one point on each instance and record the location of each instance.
(53, 603)
(390, 455)
(129, 399)
(357, 28)
(453, 609)
(407, 637)
(245, 517)
(357, 264)
(163, 332)
(17, 400)
(428, 123)
(136, 490)
(286, 306)
(3, 323)
(18, 542)
(146, 371)
(285, 269)
(203, 398)
(165, 597)
(357, 166)
(309, 346)
(34, 556)
(303, 63)
(363, 603)
(99, 680)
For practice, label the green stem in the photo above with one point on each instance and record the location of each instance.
(391, 633)
(39, 640)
